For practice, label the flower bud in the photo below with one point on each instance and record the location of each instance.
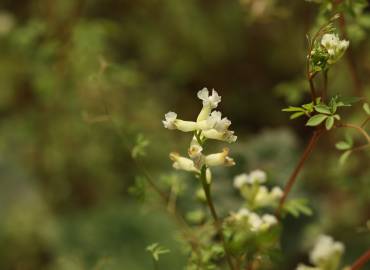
(219, 159)
(182, 163)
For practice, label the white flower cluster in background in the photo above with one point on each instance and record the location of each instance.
(327, 51)
(256, 194)
(334, 46)
(255, 222)
(326, 254)
(209, 125)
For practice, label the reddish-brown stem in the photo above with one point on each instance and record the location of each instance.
(365, 122)
(310, 146)
(358, 128)
(360, 262)
(325, 89)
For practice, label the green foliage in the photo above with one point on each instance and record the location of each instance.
(297, 207)
(139, 189)
(156, 250)
(139, 149)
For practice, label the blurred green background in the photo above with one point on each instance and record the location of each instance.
(81, 80)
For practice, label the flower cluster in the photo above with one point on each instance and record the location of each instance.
(209, 125)
(255, 222)
(255, 194)
(326, 254)
(328, 51)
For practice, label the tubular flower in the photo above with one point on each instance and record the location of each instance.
(182, 163)
(219, 159)
(227, 135)
(171, 122)
(209, 102)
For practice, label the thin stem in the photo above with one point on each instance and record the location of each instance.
(325, 90)
(358, 128)
(360, 262)
(218, 225)
(293, 177)
(365, 122)
(310, 78)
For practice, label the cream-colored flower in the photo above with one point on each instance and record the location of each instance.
(195, 150)
(182, 163)
(241, 180)
(325, 250)
(305, 267)
(209, 102)
(334, 46)
(171, 122)
(219, 159)
(220, 124)
(257, 176)
(227, 136)
(277, 193)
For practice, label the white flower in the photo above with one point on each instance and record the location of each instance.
(269, 220)
(195, 150)
(241, 180)
(220, 124)
(182, 163)
(305, 267)
(243, 212)
(277, 192)
(209, 103)
(266, 198)
(219, 159)
(257, 176)
(209, 100)
(169, 121)
(326, 249)
(227, 136)
(255, 222)
(334, 46)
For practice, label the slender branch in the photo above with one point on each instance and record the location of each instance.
(360, 262)
(325, 90)
(365, 122)
(310, 77)
(218, 225)
(358, 128)
(293, 177)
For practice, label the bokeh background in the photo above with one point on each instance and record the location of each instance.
(81, 81)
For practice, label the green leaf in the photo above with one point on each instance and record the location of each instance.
(156, 250)
(296, 207)
(296, 115)
(343, 145)
(293, 109)
(329, 122)
(316, 120)
(140, 146)
(139, 189)
(343, 158)
(366, 108)
(321, 108)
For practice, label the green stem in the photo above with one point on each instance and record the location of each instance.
(218, 225)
